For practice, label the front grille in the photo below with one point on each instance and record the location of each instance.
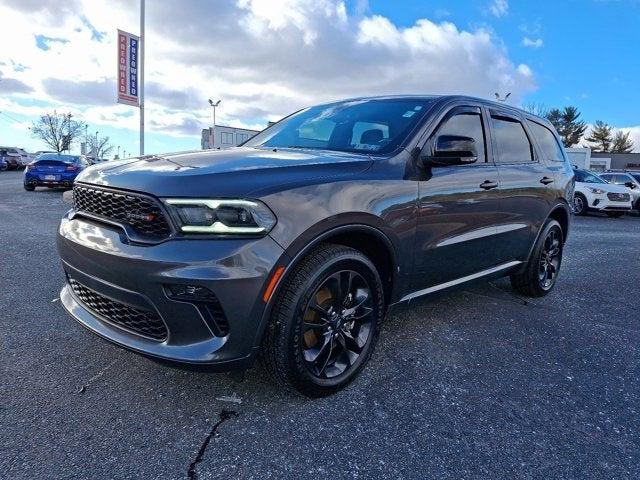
(619, 197)
(140, 213)
(140, 322)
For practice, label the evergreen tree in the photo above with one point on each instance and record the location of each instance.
(601, 137)
(622, 143)
(568, 124)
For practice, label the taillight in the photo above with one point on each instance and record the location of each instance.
(72, 168)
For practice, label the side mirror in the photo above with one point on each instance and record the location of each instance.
(630, 185)
(452, 150)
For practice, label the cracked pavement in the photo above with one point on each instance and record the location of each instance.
(472, 383)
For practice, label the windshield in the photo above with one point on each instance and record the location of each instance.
(367, 126)
(586, 177)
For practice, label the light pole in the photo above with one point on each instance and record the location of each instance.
(213, 130)
(118, 151)
(96, 149)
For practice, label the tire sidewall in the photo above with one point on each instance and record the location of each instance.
(297, 365)
(583, 200)
(551, 224)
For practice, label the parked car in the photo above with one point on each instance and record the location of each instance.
(53, 170)
(11, 157)
(594, 193)
(3, 164)
(625, 179)
(294, 246)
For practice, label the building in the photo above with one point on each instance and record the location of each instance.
(619, 161)
(583, 158)
(225, 137)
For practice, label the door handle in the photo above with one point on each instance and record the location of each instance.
(488, 185)
(546, 180)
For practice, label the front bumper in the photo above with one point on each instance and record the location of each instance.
(235, 270)
(601, 203)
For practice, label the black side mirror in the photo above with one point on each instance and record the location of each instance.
(452, 150)
(630, 185)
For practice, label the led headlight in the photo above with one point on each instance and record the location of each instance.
(597, 191)
(222, 216)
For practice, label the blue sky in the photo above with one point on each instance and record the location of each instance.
(267, 58)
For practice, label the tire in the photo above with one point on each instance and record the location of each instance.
(580, 204)
(318, 350)
(541, 271)
(614, 214)
(29, 188)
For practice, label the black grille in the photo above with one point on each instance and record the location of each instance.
(137, 321)
(142, 214)
(618, 197)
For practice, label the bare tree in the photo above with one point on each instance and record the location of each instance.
(57, 130)
(536, 108)
(101, 147)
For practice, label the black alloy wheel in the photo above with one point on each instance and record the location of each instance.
(579, 204)
(325, 321)
(336, 324)
(550, 259)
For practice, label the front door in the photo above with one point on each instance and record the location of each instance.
(458, 207)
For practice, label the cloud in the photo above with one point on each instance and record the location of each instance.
(12, 85)
(499, 8)
(528, 42)
(264, 59)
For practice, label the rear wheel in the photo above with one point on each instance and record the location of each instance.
(580, 204)
(29, 188)
(541, 272)
(325, 321)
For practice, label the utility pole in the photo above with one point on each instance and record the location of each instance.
(141, 81)
(96, 149)
(213, 129)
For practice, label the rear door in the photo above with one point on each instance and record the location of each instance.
(526, 190)
(457, 207)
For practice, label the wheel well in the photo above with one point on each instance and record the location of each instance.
(562, 217)
(375, 249)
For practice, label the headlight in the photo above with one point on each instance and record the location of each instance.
(597, 191)
(222, 216)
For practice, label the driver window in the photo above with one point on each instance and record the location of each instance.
(466, 125)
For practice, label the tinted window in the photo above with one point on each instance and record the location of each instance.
(466, 125)
(369, 125)
(586, 177)
(511, 141)
(547, 141)
(636, 176)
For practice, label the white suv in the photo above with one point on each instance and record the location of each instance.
(593, 193)
(625, 179)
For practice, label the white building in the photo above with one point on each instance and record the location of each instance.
(581, 158)
(225, 137)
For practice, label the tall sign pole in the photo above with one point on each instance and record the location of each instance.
(141, 82)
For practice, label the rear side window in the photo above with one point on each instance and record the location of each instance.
(466, 125)
(511, 140)
(547, 141)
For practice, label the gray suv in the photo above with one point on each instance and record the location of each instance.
(293, 246)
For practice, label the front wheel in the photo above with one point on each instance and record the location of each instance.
(541, 272)
(29, 188)
(325, 321)
(579, 204)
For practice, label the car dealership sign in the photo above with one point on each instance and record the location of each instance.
(128, 48)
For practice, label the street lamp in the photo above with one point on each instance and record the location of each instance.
(96, 149)
(213, 130)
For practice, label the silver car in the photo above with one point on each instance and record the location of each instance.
(627, 180)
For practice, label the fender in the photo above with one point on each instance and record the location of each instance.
(294, 259)
(560, 204)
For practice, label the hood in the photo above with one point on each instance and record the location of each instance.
(222, 173)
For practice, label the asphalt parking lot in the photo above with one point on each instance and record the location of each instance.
(475, 383)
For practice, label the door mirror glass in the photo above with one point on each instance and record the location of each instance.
(453, 150)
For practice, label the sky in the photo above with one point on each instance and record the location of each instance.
(267, 58)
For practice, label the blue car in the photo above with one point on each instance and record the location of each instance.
(53, 170)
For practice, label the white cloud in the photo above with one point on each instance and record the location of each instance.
(499, 8)
(263, 58)
(528, 42)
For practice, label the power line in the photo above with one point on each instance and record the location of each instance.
(10, 117)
